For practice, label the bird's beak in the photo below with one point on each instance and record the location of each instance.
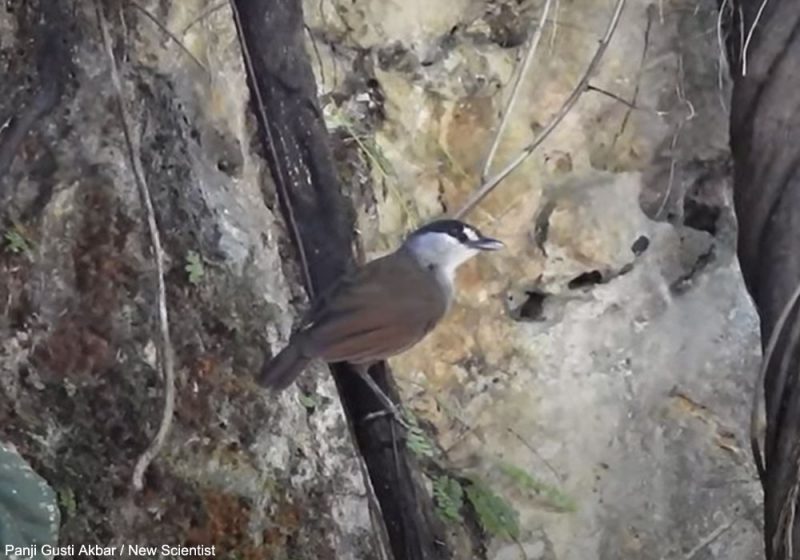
(487, 244)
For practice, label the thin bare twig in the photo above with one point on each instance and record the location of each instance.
(778, 384)
(709, 539)
(324, 19)
(171, 35)
(723, 56)
(203, 15)
(523, 71)
(489, 185)
(750, 36)
(535, 451)
(717, 533)
(613, 96)
(522, 550)
(680, 90)
(319, 57)
(787, 533)
(672, 166)
(165, 353)
(741, 29)
(555, 26)
(755, 409)
(786, 517)
(645, 48)
(788, 510)
(723, 67)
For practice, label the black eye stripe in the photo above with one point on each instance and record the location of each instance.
(454, 228)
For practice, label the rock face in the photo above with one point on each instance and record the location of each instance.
(596, 376)
(254, 475)
(610, 352)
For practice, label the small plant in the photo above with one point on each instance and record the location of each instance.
(66, 499)
(16, 242)
(554, 495)
(194, 268)
(369, 150)
(495, 515)
(309, 401)
(449, 497)
(28, 510)
(371, 155)
(417, 440)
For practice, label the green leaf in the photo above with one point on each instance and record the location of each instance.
(417, 440)
(554, 495)
(194, 268)
(309, 401)
(449, 497)
(495, 515)
(16, 242)
(28, 511)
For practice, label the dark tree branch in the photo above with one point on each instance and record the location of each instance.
(765, 142)
(321, 223)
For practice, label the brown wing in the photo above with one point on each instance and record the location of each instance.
(384, 308)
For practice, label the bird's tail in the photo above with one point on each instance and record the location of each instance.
(279, 372)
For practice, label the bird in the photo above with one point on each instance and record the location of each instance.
(382, 308)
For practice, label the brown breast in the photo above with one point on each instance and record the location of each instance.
(382, 309)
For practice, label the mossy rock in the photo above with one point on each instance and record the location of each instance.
(29, 513)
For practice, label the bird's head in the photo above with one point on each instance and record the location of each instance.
(446, 244)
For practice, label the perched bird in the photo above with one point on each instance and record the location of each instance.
(383, 308)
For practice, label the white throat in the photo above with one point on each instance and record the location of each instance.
(441, 253)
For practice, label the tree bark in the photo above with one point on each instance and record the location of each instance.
(320, 221)
(765, 141)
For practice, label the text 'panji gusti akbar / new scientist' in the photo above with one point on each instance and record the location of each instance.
(92, 551)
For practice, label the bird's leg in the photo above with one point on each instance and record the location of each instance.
(391, 408)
